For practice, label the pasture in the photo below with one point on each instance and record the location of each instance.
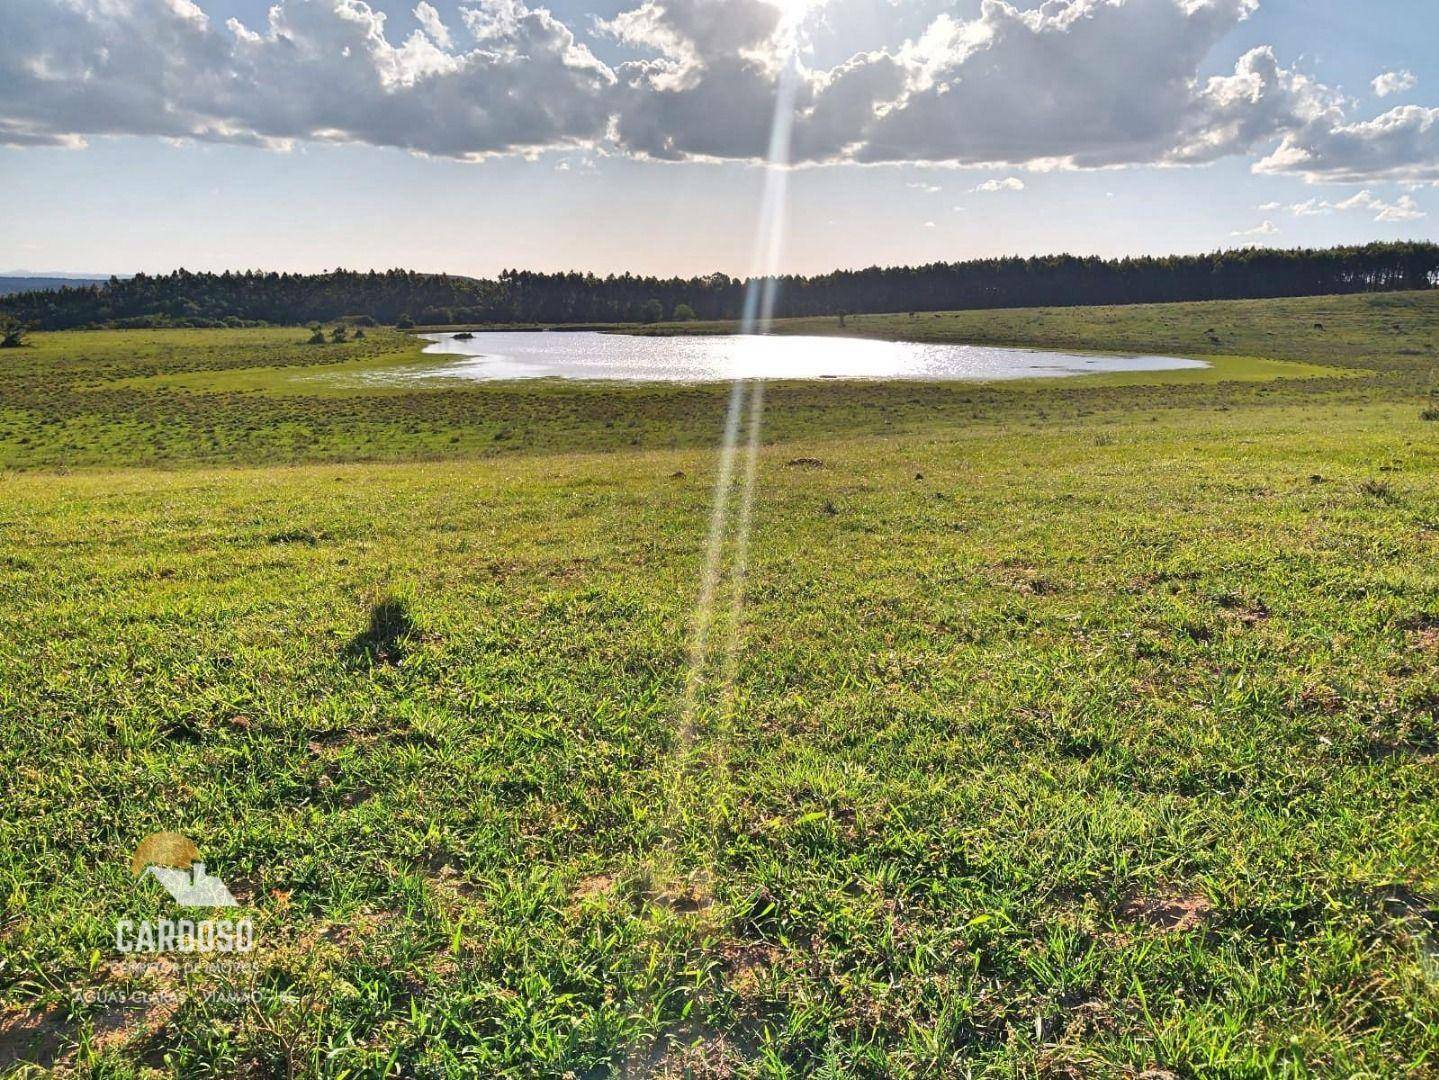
(1080, 728)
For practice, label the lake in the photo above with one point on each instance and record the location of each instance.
(588, 355)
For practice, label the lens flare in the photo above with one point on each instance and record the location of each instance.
(694, 786)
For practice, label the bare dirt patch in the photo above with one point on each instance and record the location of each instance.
(33, 1038)
(1172, 913)
(1025, 579)
(594, 885)
(129, 1023)
(746, 967)
(1423, 632)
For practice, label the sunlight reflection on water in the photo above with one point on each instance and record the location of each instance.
(588, 355)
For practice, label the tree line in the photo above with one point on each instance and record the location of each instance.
(406, 297)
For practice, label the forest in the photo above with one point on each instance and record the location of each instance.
(407, 297)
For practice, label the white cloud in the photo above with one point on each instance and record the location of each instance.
(1394, 82)
(1009, 183)
(1267, 228)
(1255, 105)
(1065, 84)
(1264, 229)
(928, 189)
(710, 90)
(429, 18)
(321, 70)
(1266, 207)
(971, 86)
(1402, 144)
(1405, 209)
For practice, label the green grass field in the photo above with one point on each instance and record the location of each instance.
(1080, 728)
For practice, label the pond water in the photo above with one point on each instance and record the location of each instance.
(589, 355)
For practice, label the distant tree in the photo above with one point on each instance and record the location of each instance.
(338, 335)
(359, 335)
(317, 335)
(684, 313)
(404, 298)
(12, 332)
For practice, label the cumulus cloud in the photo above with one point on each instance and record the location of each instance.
(429, 18)
(322, 70)
(1267, 228)
(1405, 209)
(1255, 105)
(1394, 82)
(1402, 144)
(1009, 183)
(709, 89)
(1066, 84)
(1084, 83)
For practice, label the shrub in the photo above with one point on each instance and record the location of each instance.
(12, 333)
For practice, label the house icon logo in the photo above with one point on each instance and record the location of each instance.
(173, 860)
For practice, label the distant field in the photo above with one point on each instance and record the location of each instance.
(168, 397)
(1084, 728)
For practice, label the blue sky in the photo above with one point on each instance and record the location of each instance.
(1094, 120)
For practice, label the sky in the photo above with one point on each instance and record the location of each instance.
(469, 136)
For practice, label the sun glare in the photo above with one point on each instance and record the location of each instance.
(792, 13)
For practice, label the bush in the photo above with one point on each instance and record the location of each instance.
(12, 333)
(404, 322)
(684, 313)
(317, 335)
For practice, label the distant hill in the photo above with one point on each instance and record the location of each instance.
(405, 297)
(9, 285)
